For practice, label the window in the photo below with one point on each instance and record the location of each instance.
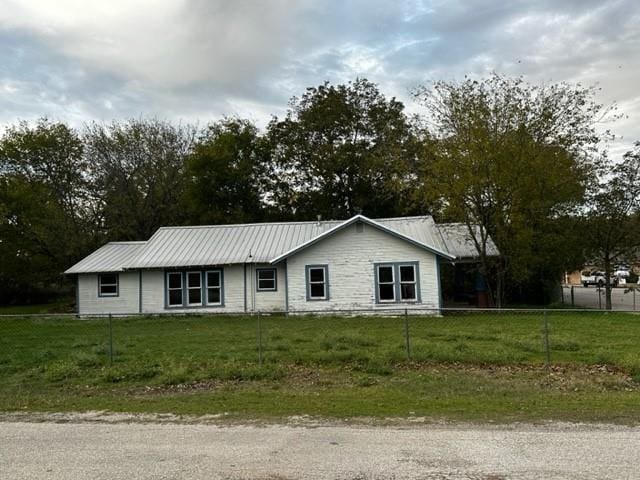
(408, 289)
(397, 282)
(213, 280)
(317, 285)
(194, 288)
(108, 285)
(386, 284)
(174, 289)
(266, 279)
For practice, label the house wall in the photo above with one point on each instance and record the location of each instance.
(350, 256)
(153, 292)
(89, 303)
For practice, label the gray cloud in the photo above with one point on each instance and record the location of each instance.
(197, 59)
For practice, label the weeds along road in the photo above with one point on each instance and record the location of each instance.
(176, 451)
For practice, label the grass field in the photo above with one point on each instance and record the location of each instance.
(481, 367)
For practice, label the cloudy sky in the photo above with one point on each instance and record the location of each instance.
(196, 60)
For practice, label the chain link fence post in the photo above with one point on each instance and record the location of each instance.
(110, 339)
(547, 349)
(406, 334)
(259, 338)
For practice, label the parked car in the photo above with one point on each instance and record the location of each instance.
(597, 278)
(622, 271)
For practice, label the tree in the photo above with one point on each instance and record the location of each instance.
(341, 150)
(45, 215)
(225, 174)
(137, 173)
(612, 221)
(513, 159)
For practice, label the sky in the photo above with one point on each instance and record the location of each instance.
(198, 60)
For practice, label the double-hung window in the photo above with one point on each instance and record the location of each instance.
(174, 289)
(108, 285)
(397, 282)
(317, 282)
(266, 280)
(194, 288)
(213, 279)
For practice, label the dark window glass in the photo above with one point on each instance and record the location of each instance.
(407, 273)
(108, 279)
(195, 296)
(385, 274)
(175, 280)
(317, 290)
(267, 279)
(213, 295)
(193, 279)
(108, 289)
(213, 279)
(386, 291)
(316, 274)
(175, 297)
(408, 291)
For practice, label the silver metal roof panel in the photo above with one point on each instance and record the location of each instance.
(111, 257)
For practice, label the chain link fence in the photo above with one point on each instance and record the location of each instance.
(174, 349)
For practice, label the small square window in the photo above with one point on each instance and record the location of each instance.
(108, 285)
(266, 279)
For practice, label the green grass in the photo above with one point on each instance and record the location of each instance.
(480, 367)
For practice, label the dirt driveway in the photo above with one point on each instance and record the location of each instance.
(195, 451)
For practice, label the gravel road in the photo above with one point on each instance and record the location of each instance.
(178, 451)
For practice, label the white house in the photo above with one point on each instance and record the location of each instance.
(295, 267)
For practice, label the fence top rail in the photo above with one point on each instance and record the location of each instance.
(380, 311)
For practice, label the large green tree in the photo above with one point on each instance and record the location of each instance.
(45, 213)
(137, 172)
(515, 159)
(341, 150)
(612, 221)
(225, 174)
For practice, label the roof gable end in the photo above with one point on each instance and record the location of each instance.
(366, 221)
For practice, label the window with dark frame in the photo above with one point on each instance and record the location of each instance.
(108, 285)
(266, 280)
(397, 282)
(317, 282)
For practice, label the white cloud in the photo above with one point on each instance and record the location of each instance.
(200, 59)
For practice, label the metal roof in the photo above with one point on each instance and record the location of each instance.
(111, 257)
(196, 246)
(459, 242)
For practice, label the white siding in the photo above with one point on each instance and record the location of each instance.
(89, 303)
(153, 294)
(266, 301)
(350, 256)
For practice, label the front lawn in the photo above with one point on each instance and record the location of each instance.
(480, 367)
